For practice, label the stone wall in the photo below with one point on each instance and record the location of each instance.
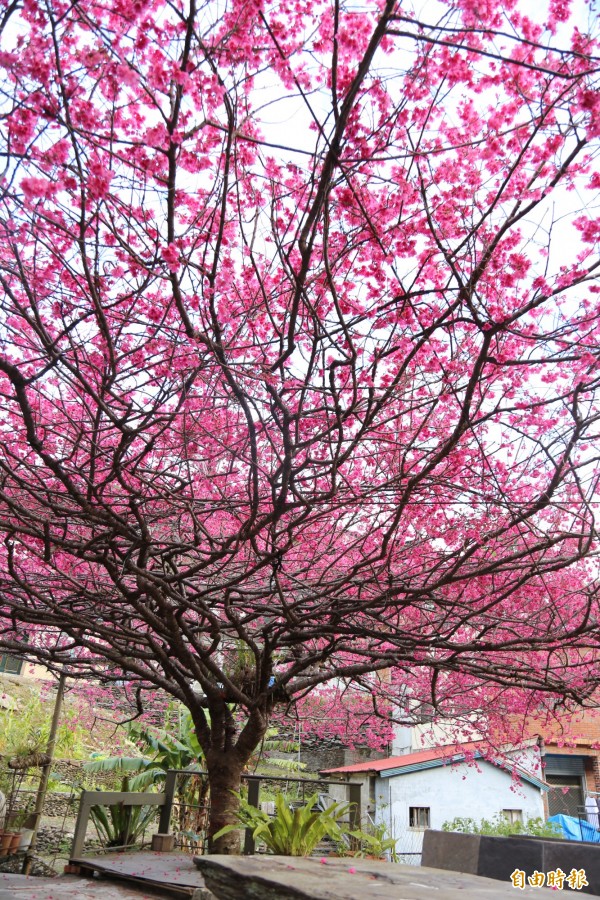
(331, 754)
(56, 805)
(64, 801)
(71, 772)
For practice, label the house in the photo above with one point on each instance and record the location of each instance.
(415, 791)
(18, 667)
(570, 747)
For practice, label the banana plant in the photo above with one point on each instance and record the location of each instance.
(173, 747)
(177, 747)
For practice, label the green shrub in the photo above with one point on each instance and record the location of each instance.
(120, 825)
(25, 730)
(373, 840)
(501, 826)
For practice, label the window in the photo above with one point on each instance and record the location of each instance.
(418, 817)
(513, 815)
(11, 665)
(566, 796)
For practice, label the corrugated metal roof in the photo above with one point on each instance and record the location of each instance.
(433, 753)
(430, 759)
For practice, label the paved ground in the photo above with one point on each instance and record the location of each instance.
(70, 887)
(174, 870)
(141, 875)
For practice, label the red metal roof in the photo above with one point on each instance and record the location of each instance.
(409, 759)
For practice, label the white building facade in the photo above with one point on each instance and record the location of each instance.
(416, 791)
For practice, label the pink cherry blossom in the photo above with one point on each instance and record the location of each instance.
(299, 363)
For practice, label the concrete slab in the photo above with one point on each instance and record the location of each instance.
(497, 857)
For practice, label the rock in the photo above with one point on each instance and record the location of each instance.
(291, 878)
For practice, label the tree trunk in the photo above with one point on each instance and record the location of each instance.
(224, 775)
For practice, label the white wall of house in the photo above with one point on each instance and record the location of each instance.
(477, 790)
(528, 757)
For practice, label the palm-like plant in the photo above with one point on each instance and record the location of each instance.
(120, 825)
(292, 831)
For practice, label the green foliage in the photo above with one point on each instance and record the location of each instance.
(239, 662)
(174, 747)
(5, 782)
(24, 734)
(139, 773)
(501, 826)
(263, 760)
(20, 818)
(291, 831)
(120, 825)
(373, 841)
(25, 729)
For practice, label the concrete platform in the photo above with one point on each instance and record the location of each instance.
(288, 878)
(492, 856)
(174, 872)
(150, 876)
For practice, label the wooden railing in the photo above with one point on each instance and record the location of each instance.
(108, 798)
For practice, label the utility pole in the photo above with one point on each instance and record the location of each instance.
(43, 788)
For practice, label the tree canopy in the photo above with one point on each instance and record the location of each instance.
(299, 353)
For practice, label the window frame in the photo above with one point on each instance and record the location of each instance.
(419, 818)
(10, 665)
(513, 815)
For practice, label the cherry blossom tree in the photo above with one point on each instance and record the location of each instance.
(299, 355)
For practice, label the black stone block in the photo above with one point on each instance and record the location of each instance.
(568, 855)
(498, 857)
(451, 850)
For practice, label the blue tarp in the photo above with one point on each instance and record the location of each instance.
(576, 829)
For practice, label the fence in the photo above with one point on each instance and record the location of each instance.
(170, 800)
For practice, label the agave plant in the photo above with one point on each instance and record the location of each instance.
(291, 831)
(120, 825)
